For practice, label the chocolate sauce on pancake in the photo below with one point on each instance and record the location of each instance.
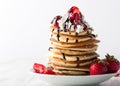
(78, 61)
(76, 33)
(63, 55)
(76, 41)
(50, 48)
(58, 31)
(51, 35)
(52, 30)
(65, 28)
(67, 39)
(58, 37)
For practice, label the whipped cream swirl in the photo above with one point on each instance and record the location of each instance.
(72, 21)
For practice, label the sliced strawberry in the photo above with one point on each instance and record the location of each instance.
(117, 75)
(39, 68)
(113, 63)
(98, 67)
(74, 10)
(55, 21)
(49, 71)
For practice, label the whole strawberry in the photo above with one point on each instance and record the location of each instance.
(113, 63)
(98, 67)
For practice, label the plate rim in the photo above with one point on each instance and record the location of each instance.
(52, 75)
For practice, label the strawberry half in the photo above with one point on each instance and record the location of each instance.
(74, 10)
(39, 68)
(75, 14)
(98, 67)
(55, 21)
(49, 71)
(113, 63)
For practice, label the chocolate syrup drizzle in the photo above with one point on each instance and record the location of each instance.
(76, 33)
(52, 30)
(92, 36)
(50, 48)
(67, 39)
(88, 32)
(58, 35)
(63, 55)
(76, 41)
(51, 35)
(65, 30)
(78, 61)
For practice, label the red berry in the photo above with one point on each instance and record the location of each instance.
(74, 18)
(55, 21)
(39, 68)
(98, 67)
(117, 75)
(113, 64)
(74, 10)
(50, 72)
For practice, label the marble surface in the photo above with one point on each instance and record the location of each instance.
(16, 72)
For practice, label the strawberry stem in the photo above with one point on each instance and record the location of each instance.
(110, 57)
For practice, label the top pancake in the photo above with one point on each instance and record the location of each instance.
(70, 32)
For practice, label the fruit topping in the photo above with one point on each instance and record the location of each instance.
(113, 63)
(107, 65)
(50, 72)
(117, 75)
(98, 67)
(55, 21)
(41, 69)
(71, 20)
(74, 10)
(76, 17)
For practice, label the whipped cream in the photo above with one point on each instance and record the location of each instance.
(72, 21)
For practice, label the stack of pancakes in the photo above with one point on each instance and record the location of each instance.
(71, 53)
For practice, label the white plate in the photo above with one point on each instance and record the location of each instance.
(59, 80)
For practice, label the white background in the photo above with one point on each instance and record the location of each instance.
(24, 27)
(24, 24)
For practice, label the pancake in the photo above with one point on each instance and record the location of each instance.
(68, 72)
(66, 63)
(83, 68)
(73, 57)
(69, 32)
(83, 43)
(70, 52)
(81, 48)
(72, 39)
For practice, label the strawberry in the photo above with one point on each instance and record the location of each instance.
(41, 69)
(49, 71)
(55, 21)
(74, 17)
(98, 67)
(113, 63)
(117, 75)
(75, 14)
(74, 10)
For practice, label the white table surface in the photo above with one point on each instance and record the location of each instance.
(16, 72)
